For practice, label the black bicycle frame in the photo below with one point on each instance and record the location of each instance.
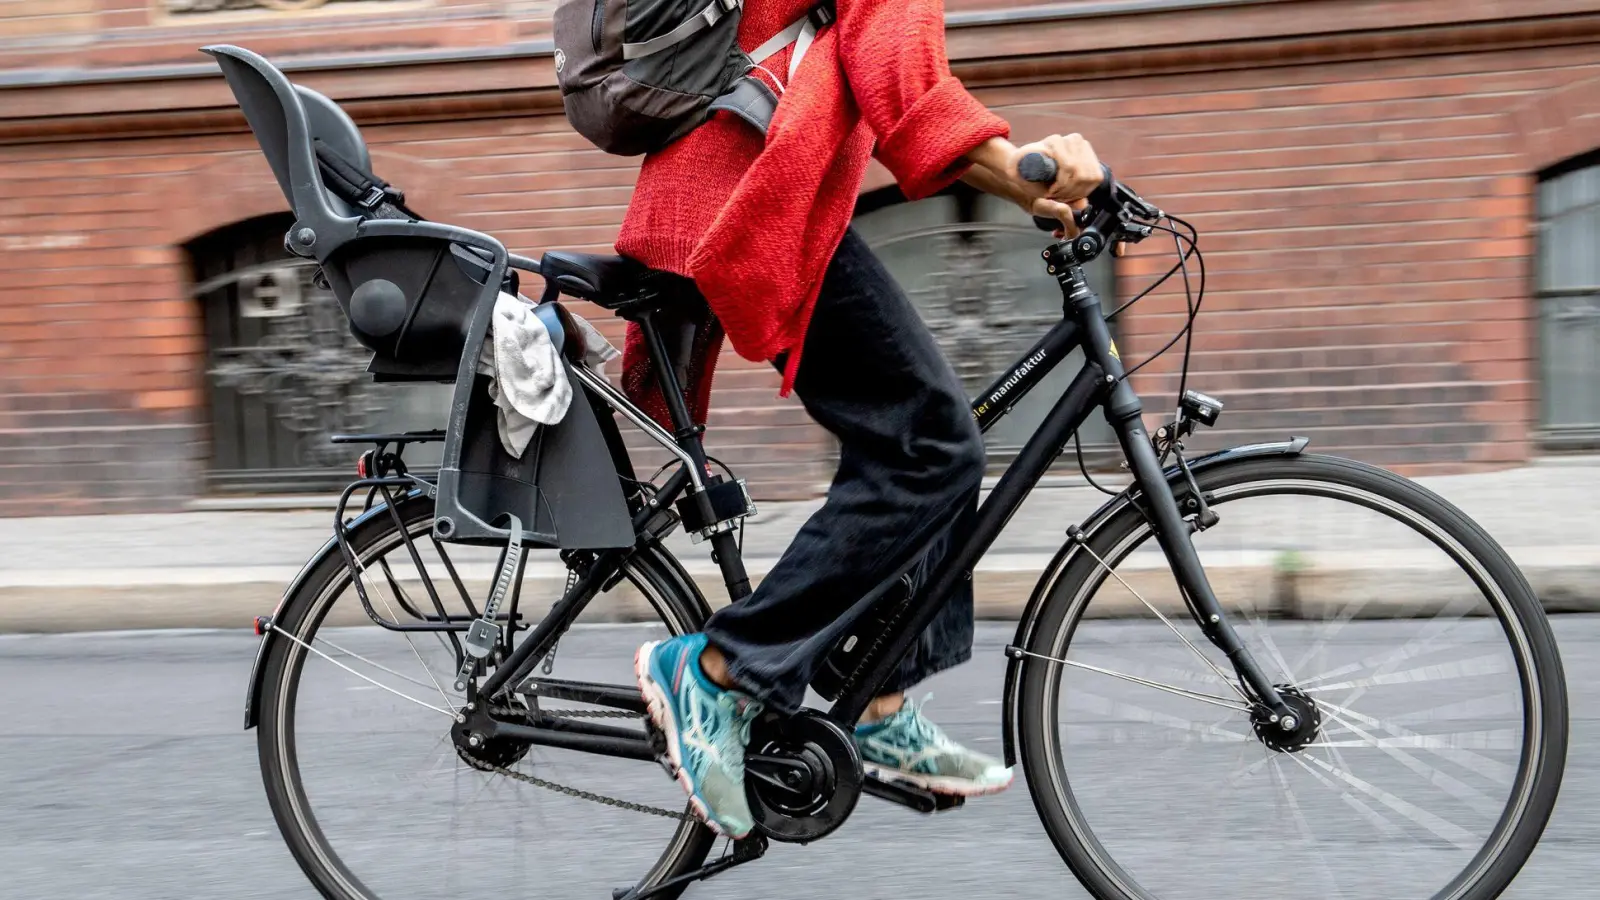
(1102, 382)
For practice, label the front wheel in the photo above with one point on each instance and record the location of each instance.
(1435, 714)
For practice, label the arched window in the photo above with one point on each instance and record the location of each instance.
(283, 372)
(1569, 303)
(970, 264)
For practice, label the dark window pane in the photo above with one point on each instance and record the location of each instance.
(285, 373)
(1568, 272)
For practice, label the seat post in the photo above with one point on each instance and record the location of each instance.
(687, 432)
(685, 429)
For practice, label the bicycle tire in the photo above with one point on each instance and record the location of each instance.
(1067, 588)
(652, 569)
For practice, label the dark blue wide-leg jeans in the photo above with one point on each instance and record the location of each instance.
(911, 461)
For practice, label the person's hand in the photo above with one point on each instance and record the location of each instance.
(1078, 170)
(994, 171)
(1045, 208)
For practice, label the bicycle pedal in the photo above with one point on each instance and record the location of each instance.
(911, 796)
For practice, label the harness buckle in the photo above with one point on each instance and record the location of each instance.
(375, 195)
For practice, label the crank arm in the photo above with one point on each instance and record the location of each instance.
(747, 850)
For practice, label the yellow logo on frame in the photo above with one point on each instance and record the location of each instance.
(1114, 354)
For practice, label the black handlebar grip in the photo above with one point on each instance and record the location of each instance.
(1038, 168)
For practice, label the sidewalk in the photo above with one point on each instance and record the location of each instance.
(220, 568)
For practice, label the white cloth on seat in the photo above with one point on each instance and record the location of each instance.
(528, 382)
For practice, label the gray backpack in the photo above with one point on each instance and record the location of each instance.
(638, 74)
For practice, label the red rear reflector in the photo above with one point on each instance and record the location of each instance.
(361, 466)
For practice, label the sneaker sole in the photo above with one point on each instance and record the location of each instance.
(935, 784)
(656, 702)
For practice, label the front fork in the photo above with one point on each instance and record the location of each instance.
(1125, 412)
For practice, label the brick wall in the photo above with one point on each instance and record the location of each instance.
(1365, 201)
(1367, 229)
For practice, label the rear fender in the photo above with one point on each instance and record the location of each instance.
(1091, 526)
(269, 634)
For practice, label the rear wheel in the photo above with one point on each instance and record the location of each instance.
(1433, 707)
(371, 794)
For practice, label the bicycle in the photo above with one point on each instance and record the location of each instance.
(1316, 746)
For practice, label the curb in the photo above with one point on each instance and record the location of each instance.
(1566, 580)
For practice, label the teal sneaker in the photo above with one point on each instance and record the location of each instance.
(908, 748)
(707, 729)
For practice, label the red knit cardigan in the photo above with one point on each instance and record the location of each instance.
(755, 222)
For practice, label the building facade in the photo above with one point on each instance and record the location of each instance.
(1399, 205)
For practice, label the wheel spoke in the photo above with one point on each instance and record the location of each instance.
(1494, 770)
(1226, 679)
(1455, 787)
(1303, 825)
(1420, 645)
(1258, 625)
(1440, 828)
(1488, 739)
(379, 666)
(1478, 666)
(372, 681)
(1237, 776)
(1373, 817)
(1333, 629)
(1502, 704)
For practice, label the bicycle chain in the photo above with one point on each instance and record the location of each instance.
(578, 793)
(525, 778)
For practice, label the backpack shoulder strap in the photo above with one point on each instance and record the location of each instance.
(751, 100)
(800, 33)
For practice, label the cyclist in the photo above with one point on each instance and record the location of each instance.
(762, 226)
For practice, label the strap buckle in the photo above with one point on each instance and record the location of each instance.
(372, 198)
(822, 15)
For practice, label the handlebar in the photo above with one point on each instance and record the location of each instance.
(1111, 206)
(1041, 169)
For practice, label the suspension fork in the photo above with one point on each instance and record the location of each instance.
(1124, 411)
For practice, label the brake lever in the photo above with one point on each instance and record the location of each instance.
(1080, 217)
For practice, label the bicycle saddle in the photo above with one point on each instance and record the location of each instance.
(603, 280)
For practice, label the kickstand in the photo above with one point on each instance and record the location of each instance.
(746, 850)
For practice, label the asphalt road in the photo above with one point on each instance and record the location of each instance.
(124, 774)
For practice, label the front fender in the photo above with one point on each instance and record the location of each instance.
(1097, 520)
(252, 700)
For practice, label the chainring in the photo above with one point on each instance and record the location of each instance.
(802, 776)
